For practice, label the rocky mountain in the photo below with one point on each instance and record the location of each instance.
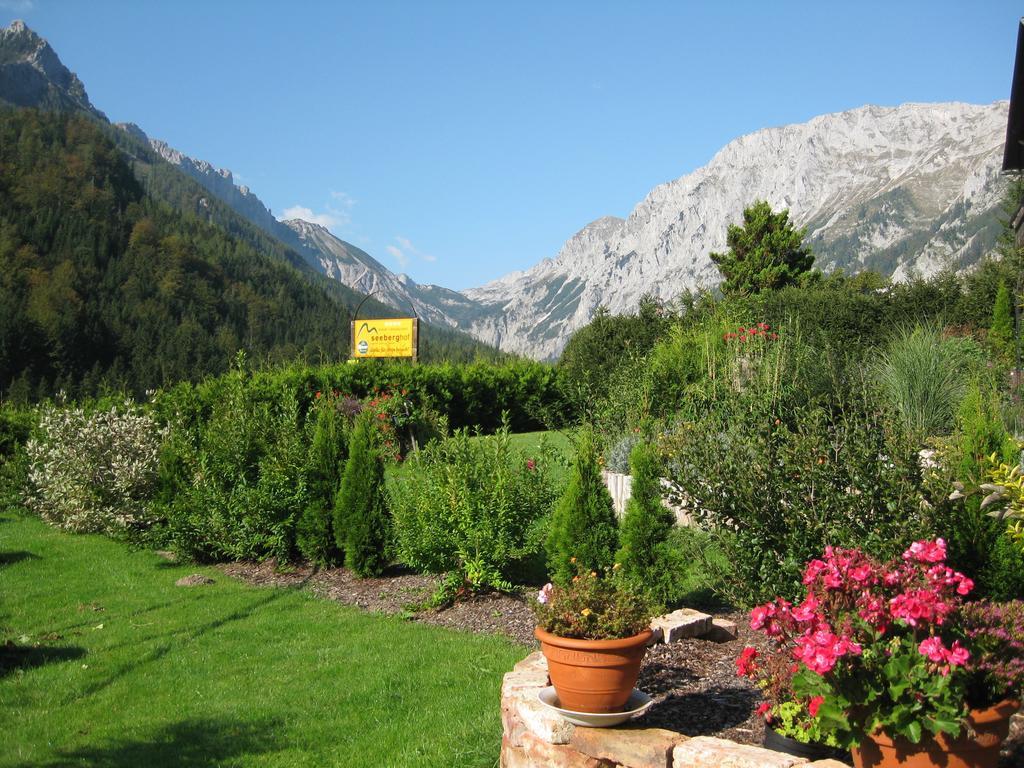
(904, 190)
(357, 269)
(32, 75)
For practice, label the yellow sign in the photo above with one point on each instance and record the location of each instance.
(388, 337)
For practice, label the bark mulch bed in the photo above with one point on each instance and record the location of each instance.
(693, 682)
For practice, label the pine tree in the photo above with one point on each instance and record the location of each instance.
(766, 253)
(326, 459)
(646, 523)
(583, 525)
(1001, 331)
(361, 524)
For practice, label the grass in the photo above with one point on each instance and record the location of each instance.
(113, 665)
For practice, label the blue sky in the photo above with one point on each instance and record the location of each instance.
(458, 141)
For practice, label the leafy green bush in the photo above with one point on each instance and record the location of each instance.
(474, 507)
(977, 542)
(361, 524)
(325, 460)
(646, 522)
(234, 481)
(773, 489)
(16, 426)
(584, 529)
(94, 471)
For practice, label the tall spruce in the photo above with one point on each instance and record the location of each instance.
(361, 523)
(647, 522)
(583, 525)
(326, 460)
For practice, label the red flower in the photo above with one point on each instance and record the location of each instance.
(317, 395)
(814, 704)
(745, 662)
(531, 464)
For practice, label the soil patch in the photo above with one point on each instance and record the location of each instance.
(693, 682)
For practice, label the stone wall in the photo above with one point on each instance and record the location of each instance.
(536, 737)
(620, 487)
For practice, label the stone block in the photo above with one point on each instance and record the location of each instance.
(657, 634)
(685, 622)
(709, 752)
(722, 631)
(523, 681)
(535, 662)
(536, 753)
(540, 721)
(632, 747)
(825, 764)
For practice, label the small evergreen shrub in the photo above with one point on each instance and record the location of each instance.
(94, 472)
(647, 522)
(325, 461)
(1000, 333)
(473, 507)
(361, 523)
(584, 528)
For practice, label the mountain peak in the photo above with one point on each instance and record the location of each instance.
(32, 75)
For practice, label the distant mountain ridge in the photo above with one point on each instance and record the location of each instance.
(904, 190)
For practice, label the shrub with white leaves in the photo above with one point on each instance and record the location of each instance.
(94, 472)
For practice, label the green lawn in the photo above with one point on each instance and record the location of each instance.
(112, 665)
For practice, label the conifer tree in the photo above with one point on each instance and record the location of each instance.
(766, 253)
(361, 522)
(646, 523)
(1001, 331)
(326, 460)
(583, 525)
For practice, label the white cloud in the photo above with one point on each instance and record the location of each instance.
(18, 6)
(400, 257)
(306, 214)
(407, 245)
(337, 213)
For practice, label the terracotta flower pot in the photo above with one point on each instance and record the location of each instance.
(980, 750)
(593, 675)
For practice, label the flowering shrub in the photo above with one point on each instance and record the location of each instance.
(887, 646)
(94, 472)
(592, 607)
(761, 332)
(396, 418)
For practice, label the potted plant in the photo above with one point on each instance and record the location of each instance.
(594, 632)
(790, 723)
(892, 661)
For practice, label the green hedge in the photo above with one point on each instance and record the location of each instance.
(471, 395)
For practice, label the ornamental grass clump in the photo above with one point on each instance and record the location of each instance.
(887, 647)
(592, 607)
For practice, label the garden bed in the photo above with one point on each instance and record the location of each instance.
(693, 681)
